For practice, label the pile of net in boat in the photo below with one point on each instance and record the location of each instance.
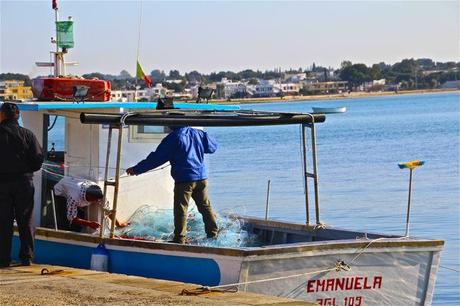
(154, 224)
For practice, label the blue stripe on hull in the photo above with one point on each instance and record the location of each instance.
(203, 271)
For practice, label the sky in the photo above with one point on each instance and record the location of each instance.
(217, 35)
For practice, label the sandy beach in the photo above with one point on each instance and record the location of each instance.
(352, 95)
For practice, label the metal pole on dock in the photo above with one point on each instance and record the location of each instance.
(305, 173)
(408, 203)
(106, 176)
(315, 172)
(53, 203)
(411, 165)
(117, 180)
(268, 200)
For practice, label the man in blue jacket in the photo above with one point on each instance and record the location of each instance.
(184, 148)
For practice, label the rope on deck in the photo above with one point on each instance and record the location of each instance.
(61, 175)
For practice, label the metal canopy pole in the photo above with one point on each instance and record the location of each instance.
(408, 204)
(106, 175)
(305, 173)
(53, 202)
(315, 172)
(411, 165)
(117, 180)
(267, 203)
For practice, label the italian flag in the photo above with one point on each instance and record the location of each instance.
(140, 75)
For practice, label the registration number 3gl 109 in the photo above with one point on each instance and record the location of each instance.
(347, 301)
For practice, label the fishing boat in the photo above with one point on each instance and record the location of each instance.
(329, 110)
(310, 261)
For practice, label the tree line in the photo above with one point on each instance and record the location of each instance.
(410, 73)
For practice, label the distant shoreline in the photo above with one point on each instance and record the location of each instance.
(351, 95)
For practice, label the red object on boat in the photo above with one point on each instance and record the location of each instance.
(64, 89)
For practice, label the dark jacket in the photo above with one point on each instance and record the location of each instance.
(184, 148)
(20, 152)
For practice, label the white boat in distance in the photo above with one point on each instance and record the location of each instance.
(329, 110)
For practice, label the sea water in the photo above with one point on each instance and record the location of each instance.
(361, 186)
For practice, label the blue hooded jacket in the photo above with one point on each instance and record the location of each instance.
(184, 148)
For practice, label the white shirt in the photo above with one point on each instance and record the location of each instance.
(74, 190)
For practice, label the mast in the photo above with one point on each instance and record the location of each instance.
(59, 63)
(58, 56)
(138, 47)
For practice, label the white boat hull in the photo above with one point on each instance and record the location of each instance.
(382, 270)
(393, 276)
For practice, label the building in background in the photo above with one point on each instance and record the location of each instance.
(374, 85)
(14, 90)
(324, 87)
(295, 77)
(117, 95)
(288, 89)
(451, 85)
(264, 88)
(228, 89)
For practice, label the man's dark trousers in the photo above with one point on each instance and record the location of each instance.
(16, 202)
(198, 191)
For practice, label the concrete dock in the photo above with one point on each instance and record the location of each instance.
(68, 286)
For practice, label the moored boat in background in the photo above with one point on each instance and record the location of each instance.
(329, 110)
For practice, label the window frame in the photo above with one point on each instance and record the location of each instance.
(138, 137)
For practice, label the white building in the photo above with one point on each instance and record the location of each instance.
(265, 88)
(117, 95)
(131, 95)
(158, 91)
(232, 89)
(374, 84)
(295, 77)
(324, 75)
(288, 88)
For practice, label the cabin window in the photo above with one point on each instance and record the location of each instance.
(142, 133)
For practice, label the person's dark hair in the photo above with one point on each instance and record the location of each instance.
(94, 192)
(10, 110)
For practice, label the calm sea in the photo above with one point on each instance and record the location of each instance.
(361, 186)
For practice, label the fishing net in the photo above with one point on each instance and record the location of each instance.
(154, 224)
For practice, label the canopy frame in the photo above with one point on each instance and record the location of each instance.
(228, 118)
(191, 117)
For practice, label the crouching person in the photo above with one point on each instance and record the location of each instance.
(80, 193)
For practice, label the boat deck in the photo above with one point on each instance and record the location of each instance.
(85, 287)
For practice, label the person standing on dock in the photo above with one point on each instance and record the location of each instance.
(184, 148)
(20, 156)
